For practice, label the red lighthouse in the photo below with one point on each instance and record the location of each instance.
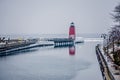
(72, 31)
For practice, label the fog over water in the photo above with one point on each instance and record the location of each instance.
(55, 16)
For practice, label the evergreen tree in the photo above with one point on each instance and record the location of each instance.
(116, 16)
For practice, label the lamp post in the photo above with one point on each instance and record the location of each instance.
(106, 41)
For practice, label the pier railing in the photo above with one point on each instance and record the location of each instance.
(107, 75)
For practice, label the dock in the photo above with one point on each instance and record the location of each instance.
(14, 45)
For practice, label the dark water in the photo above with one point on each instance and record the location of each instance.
(70, 63)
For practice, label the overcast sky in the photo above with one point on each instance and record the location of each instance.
(55, 16)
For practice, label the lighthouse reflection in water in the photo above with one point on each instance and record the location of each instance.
(72, 50)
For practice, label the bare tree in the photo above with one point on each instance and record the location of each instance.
(114, 34)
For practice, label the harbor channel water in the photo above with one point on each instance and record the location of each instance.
(48, 63)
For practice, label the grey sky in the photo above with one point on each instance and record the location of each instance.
(55, 16)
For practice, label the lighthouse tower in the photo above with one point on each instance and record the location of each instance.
(72, 31)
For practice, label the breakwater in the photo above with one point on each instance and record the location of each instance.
(17, 45)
